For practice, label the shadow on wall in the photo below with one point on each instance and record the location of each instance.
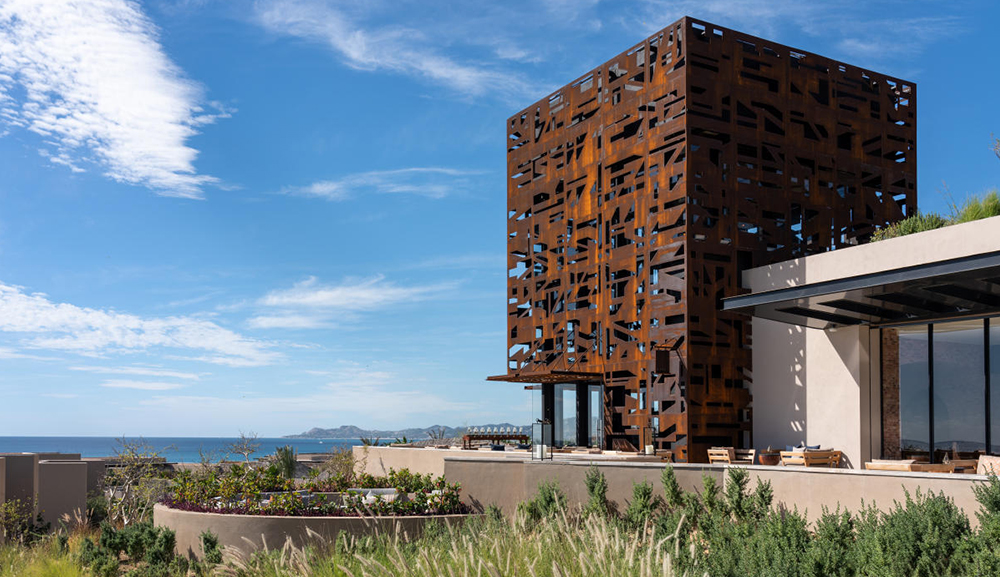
(779, 365)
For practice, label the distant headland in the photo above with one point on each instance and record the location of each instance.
(416, 434)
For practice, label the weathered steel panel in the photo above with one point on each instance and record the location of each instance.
(638, 193)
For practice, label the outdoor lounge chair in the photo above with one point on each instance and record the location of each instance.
(732, 456)
(811, 458)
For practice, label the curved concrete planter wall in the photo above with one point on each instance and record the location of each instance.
(259, 530)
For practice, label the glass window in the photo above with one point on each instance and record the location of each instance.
(959, 387)
(596, 413)
(995, 385)
(914, 406)
(564, 428)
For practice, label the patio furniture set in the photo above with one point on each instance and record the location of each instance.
(497, 435)
(804, 457)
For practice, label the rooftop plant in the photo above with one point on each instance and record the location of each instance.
(973, 208)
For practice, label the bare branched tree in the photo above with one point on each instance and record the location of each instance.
(134, 483)
(247, 445)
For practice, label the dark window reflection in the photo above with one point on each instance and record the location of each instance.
(959, 387)
(913, 385)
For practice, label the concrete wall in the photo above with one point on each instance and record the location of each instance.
(21, 476)
(58, 456)
(62, 491)
(378, 460)
(505, 483)
(809, 490)
(96, 471)
(249, 533)
(814, 387)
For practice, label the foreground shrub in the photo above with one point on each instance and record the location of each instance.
(548, 502)
(643, 505)
(597, 492)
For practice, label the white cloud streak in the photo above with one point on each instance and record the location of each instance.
(140, 385)
(391, 48)
(138, 371)
(430, 182)
(66, 327)
(311, 304)
(91, 78)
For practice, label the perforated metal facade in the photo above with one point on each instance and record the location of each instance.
(638, 193)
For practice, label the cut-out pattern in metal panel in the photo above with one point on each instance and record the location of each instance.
(638, 193)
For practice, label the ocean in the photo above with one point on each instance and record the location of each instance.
(175, 449)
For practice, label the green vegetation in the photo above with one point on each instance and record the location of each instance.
(732, 532)
(973, 208)
(286, 459)
(249, 490)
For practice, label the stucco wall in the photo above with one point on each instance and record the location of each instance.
(96, 470)
(62, 491)
(812, 386)
(378, 460)
(811, 489)
(250, 533)
(21, 476)
(961, 240)
(505, 483)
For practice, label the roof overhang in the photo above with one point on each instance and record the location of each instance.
(549, 377)
(966, 286)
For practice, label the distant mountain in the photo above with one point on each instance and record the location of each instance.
(415, 434)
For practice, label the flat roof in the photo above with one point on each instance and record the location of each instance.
(549, 377)
(965, 286)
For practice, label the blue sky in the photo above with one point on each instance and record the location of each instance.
(221, 217)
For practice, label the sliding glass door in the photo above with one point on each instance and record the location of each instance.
(937, 385)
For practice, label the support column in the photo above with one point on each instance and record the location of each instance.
(582, 415)
(549, 402)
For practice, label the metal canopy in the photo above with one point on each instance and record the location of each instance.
(967, 286)
(549, 377)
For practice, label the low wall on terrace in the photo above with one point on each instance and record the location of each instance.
(250, 533)
(505, 483)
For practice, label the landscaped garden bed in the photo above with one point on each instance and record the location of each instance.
(252, 508)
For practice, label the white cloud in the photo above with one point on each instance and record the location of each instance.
(93, 81)
(393, 48)
(356, 295)
(139, 371)
(431, 182)
(140, 385)
(64, 326)
(288, 321)
(61, 395)
(9, 353)
(311, 304)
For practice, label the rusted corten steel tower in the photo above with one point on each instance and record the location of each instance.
(638, 193)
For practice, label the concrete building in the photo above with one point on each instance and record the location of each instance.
(639, 194)
(56, 485)
(882, 350)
